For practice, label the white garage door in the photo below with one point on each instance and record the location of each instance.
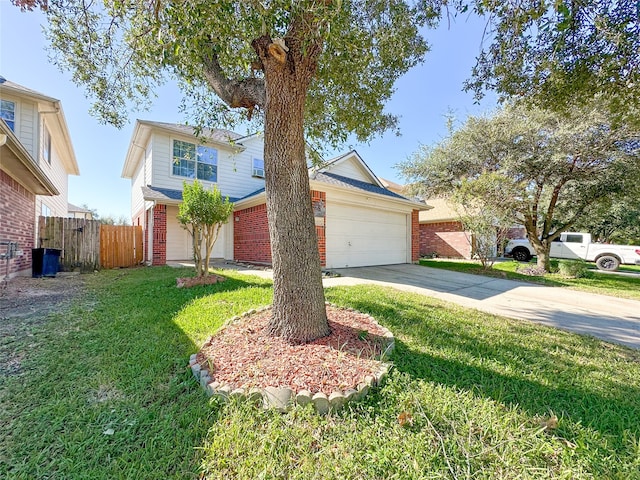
(360, 236)
(179, 245)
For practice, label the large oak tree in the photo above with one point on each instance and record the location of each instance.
(316, 68)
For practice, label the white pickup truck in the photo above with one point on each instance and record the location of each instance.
(575, 245)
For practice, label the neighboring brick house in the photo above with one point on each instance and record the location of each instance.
(443, 235)
(36, 157)
(358, 221)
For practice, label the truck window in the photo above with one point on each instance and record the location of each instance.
(574, 239)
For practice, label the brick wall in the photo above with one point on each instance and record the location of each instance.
(319, 200)
(251, 235)
(446, 239)
(17, 222)
(415, 235)
(251, 232)
(159, 235)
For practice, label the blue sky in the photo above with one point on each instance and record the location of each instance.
(424, 96)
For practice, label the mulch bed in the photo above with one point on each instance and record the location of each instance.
(244, 355)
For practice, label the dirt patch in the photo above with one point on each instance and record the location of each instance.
(25, 305)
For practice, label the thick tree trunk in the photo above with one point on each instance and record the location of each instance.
(299, 312)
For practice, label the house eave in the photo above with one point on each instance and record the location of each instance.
(18, 163)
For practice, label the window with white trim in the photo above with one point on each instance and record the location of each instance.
(258, 168)
(195, 161)
(45, 211)
(8, 113)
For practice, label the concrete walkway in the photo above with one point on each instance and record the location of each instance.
(608, 318)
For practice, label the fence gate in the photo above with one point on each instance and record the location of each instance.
(77, 238)
(120, 246)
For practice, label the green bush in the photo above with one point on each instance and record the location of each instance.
(573, 268)
(553, 265)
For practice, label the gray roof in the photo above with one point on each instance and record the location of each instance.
(339, 180)
(166, 194)
(27, 91)
(218, 135)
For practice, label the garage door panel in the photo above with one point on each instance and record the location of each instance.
(361, 236)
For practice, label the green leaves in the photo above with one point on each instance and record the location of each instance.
(540, 169)
(203, 207)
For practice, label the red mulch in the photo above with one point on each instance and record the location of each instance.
(244, 355)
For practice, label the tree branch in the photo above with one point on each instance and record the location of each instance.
(246, 93)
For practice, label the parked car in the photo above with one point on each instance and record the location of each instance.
(577, 245)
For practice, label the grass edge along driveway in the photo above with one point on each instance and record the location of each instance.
(596, 282)
(105, 393)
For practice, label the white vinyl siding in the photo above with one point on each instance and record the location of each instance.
(179, 246)
(234, 169)
(362, 236)
(350, 168)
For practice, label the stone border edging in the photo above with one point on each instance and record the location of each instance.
(283, 398)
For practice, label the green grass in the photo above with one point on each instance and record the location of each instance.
(475, 387)
(596, 282)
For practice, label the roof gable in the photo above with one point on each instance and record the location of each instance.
(351, 165)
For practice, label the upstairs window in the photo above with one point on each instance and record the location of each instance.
(8, 113)
(195, 161)
(258, 168)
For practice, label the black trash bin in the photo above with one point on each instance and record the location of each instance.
(45, 262)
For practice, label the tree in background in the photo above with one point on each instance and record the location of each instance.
(323, 69)
(560, 54)
(543, 170)
(487, 224)
(113, 220)
(615, 221)
(202, 213)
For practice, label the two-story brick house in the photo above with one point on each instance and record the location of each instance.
(358, 221)
(36, 158)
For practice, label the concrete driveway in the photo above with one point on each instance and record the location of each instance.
(609, 318)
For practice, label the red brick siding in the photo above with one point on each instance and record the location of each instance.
(17, 222)
(320, 199)
(159, 235)
(446, 239)
(251, 233)
(415, 235)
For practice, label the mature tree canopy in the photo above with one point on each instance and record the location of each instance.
(544, 170)
(616, 220)
(560, 53)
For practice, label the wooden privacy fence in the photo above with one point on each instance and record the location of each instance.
(120, 246)
(88, 245)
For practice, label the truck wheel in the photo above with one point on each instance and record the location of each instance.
(608, 263)
(521, 254)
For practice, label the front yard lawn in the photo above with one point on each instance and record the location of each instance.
(624, 286)
(104, 392)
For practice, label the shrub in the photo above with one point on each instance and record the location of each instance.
(573, 268)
